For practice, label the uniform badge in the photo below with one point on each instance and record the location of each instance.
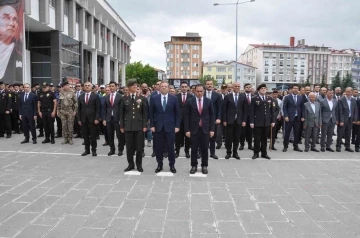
(47, 95)
(258, 102)
(9, 95)
(138, 106)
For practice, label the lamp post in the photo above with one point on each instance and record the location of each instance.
(236, 50)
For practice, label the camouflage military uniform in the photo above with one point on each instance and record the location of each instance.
(66, 108)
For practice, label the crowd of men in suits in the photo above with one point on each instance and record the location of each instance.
(199, 118)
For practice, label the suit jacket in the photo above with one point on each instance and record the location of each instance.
(327, 114)
(15, 100)
(290, 108)
(344, 110)
(245, 107)
(133, 114)
(262, 112)
(112, 110)
(216, 103)
(192, 116)
(5, 102)
(29, 108)
(320, 98)
(181, 104)
(92, 110)
(230, 110)
(168, 119)
(312, 119)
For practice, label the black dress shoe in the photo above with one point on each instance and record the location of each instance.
(227, 156)
(177, 155)
(120, 153)
(204, 170)
(255, 156)
(273, 148)
(218, 147)
(129, 168)
(166, 154)
(8, 136)
(338, 150)
(214, 156)
(285, 149)
(40, 135)
(297, 149)
(105, 144)
(83, 143)
(251, 147)
(349, 150)
(236, 156)
(46, 141)
(85, 153)
(58, 136)
(77, 136)
(241, 147)
(143, 154)
(193, 169)
(265, 156)
(322, 149)
(315, 150)
(357, 149)
(158, 169)
(306, 149)
(172, 170)
(112, 152)
(1, 135)
(329, 149)
(52, 141)
(153, 154)
(94, 153)
(24, 141)
(34, 142)
(140, 169)
(187, 155)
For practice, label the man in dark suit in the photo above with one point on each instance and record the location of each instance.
(89, 107)
(77, 127)
(292, 108)
(357, 142)
(347, 115)
(133, 122)
(305, 99)
(182, 98)
(216, 103)
(232, 120)
(112, 117)
(262, 118)
(5, 107)
(199, 123)
(164, 123)
(16, 124)
(246, 130)
(27, 113)
(329, 114)
(277, 108)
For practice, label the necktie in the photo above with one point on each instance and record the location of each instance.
(248, 98)
(87, 99)
(164, 104)
(200, 110)
(236, 99)
(295, 99)
(184, 98)
(208, 96)
(112, 99)
(133, 97)
(26, 97)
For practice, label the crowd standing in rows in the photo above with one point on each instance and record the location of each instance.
(199, 118)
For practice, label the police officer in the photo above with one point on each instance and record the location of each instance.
(262, 117)
(133, 121)
(67, 109)
(39, 121)
(15, 121)
(47, 111)
(5, 107)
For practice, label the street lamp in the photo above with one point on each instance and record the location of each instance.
(236, 50)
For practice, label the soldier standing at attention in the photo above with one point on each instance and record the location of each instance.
(47, 111)
(262, 116)
(5, 106)
(66, 111)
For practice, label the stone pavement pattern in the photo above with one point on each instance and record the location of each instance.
(51, 191)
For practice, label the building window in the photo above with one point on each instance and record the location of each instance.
(185, 64)
(266, 55)
(66, 7)
(229, 76)
(185, 55)
(288, 63)
(195, 65)
(220, 69)
(266, 78)
(274, 55)
(266, 63)
(52, 3)
(273, 78)
(281, 63)
(194, 73)
(281, 71)
(302, 64)
(317, 65)
(340, 58)
(77, 14)
(185, 72)
(230, 69)
(209, 68)
(266, 70)
(281, 56)
(195, 47)
(185, 46)
(220, 77)
(195, 56)
(302, 56)
(295, 56)
(340, 66)
(302, 72)
(288, 56)
(274, 63)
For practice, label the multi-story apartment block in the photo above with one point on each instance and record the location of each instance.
(355, 69)
(225, 71)
(184, 58)
(340, 61)
(74, 40)
(160, 74)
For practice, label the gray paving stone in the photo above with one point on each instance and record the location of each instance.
(87, 183)
(85, 206)
(317, 213)
(237, 189)
(16, 223)
(287, 203)
(157, 201)
(161, 187)
(204, 235)
(304, 223)
(179, 194)
(120, 228)
(66, 227)
(33, 231)
(41, 204)
(349, 219)
(72, 197)
(7, 198)
(231, 227)
(283, 229)
(60, 189)
(202, 222)
(300, 195)
(101, 217)
(330, 204)
(131, 209)
(199, 187)
(53, 215)
(113, 199)
(244, 203)
(99, 191)
(338, 230)
(124, 185)
(271, 212)
(260, 195)
(32, 195)
(10, 209)
(179, 211)
(176, 229)
(24, 187)
(220, 195)
(339, 196)
(139, 192)
(89, 233)
(253, 222)
(147, 234)
(225, 211)
(152, 220)
(200, 202)
(52, 182)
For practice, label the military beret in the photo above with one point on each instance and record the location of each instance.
(45, 84)
(64, 83)
(261, 86)
(12, 3)
(131, 82)
(51, 85)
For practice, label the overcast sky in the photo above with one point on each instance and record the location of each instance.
(334, 23)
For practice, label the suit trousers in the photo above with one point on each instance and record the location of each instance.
(164, 143)
(260, 139)
(213, 140)
(220, 130)
(288, 126)
(232, 137)
(162, 137)
(28, 123)
(313, 133)
(40, 124)
(357, 142)
(179, 139)
(134, 143)
(77, 127)
(344, 131)
(15, 124)
(89, 135)
(5, 124)
(354, 133)
(246, 134)
(48, 124)
(327, 131)
(199, 140)
(110, 128)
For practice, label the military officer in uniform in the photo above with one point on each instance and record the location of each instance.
(16, 125)
(262, 117)
(47, 111)
(67, 109)
(133, 122)
(5, 106)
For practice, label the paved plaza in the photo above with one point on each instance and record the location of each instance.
(51, 191)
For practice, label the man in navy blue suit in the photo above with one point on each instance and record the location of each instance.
(292, 109)
(164, 123)
(27, 113)
(199, 124)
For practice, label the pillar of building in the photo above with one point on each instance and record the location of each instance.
(44, 12)
(91, 31)
(116, 71)
(97, 35)
(110, 44)
(72, 18)
(106, 69)
(123, 74)
(59, 18)
(94, 73)
(82, 19)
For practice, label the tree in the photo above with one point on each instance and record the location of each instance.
(347, 81)
(336, 82)
(143, 73)
(204, 78)
(307, 82)
(323, 81)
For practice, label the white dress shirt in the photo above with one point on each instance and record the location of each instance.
(202, 103)
(349, 104)
(312, 106)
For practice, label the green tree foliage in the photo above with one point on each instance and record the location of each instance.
(204, 78)
(143, 73)
(323, 81)
(347, 81)
(336, 81)
(307, 82)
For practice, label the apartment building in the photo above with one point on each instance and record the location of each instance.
(225, 71)
(355, 68)
(340, 61)
(74, 40)
(184, 58)
(160, 74)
